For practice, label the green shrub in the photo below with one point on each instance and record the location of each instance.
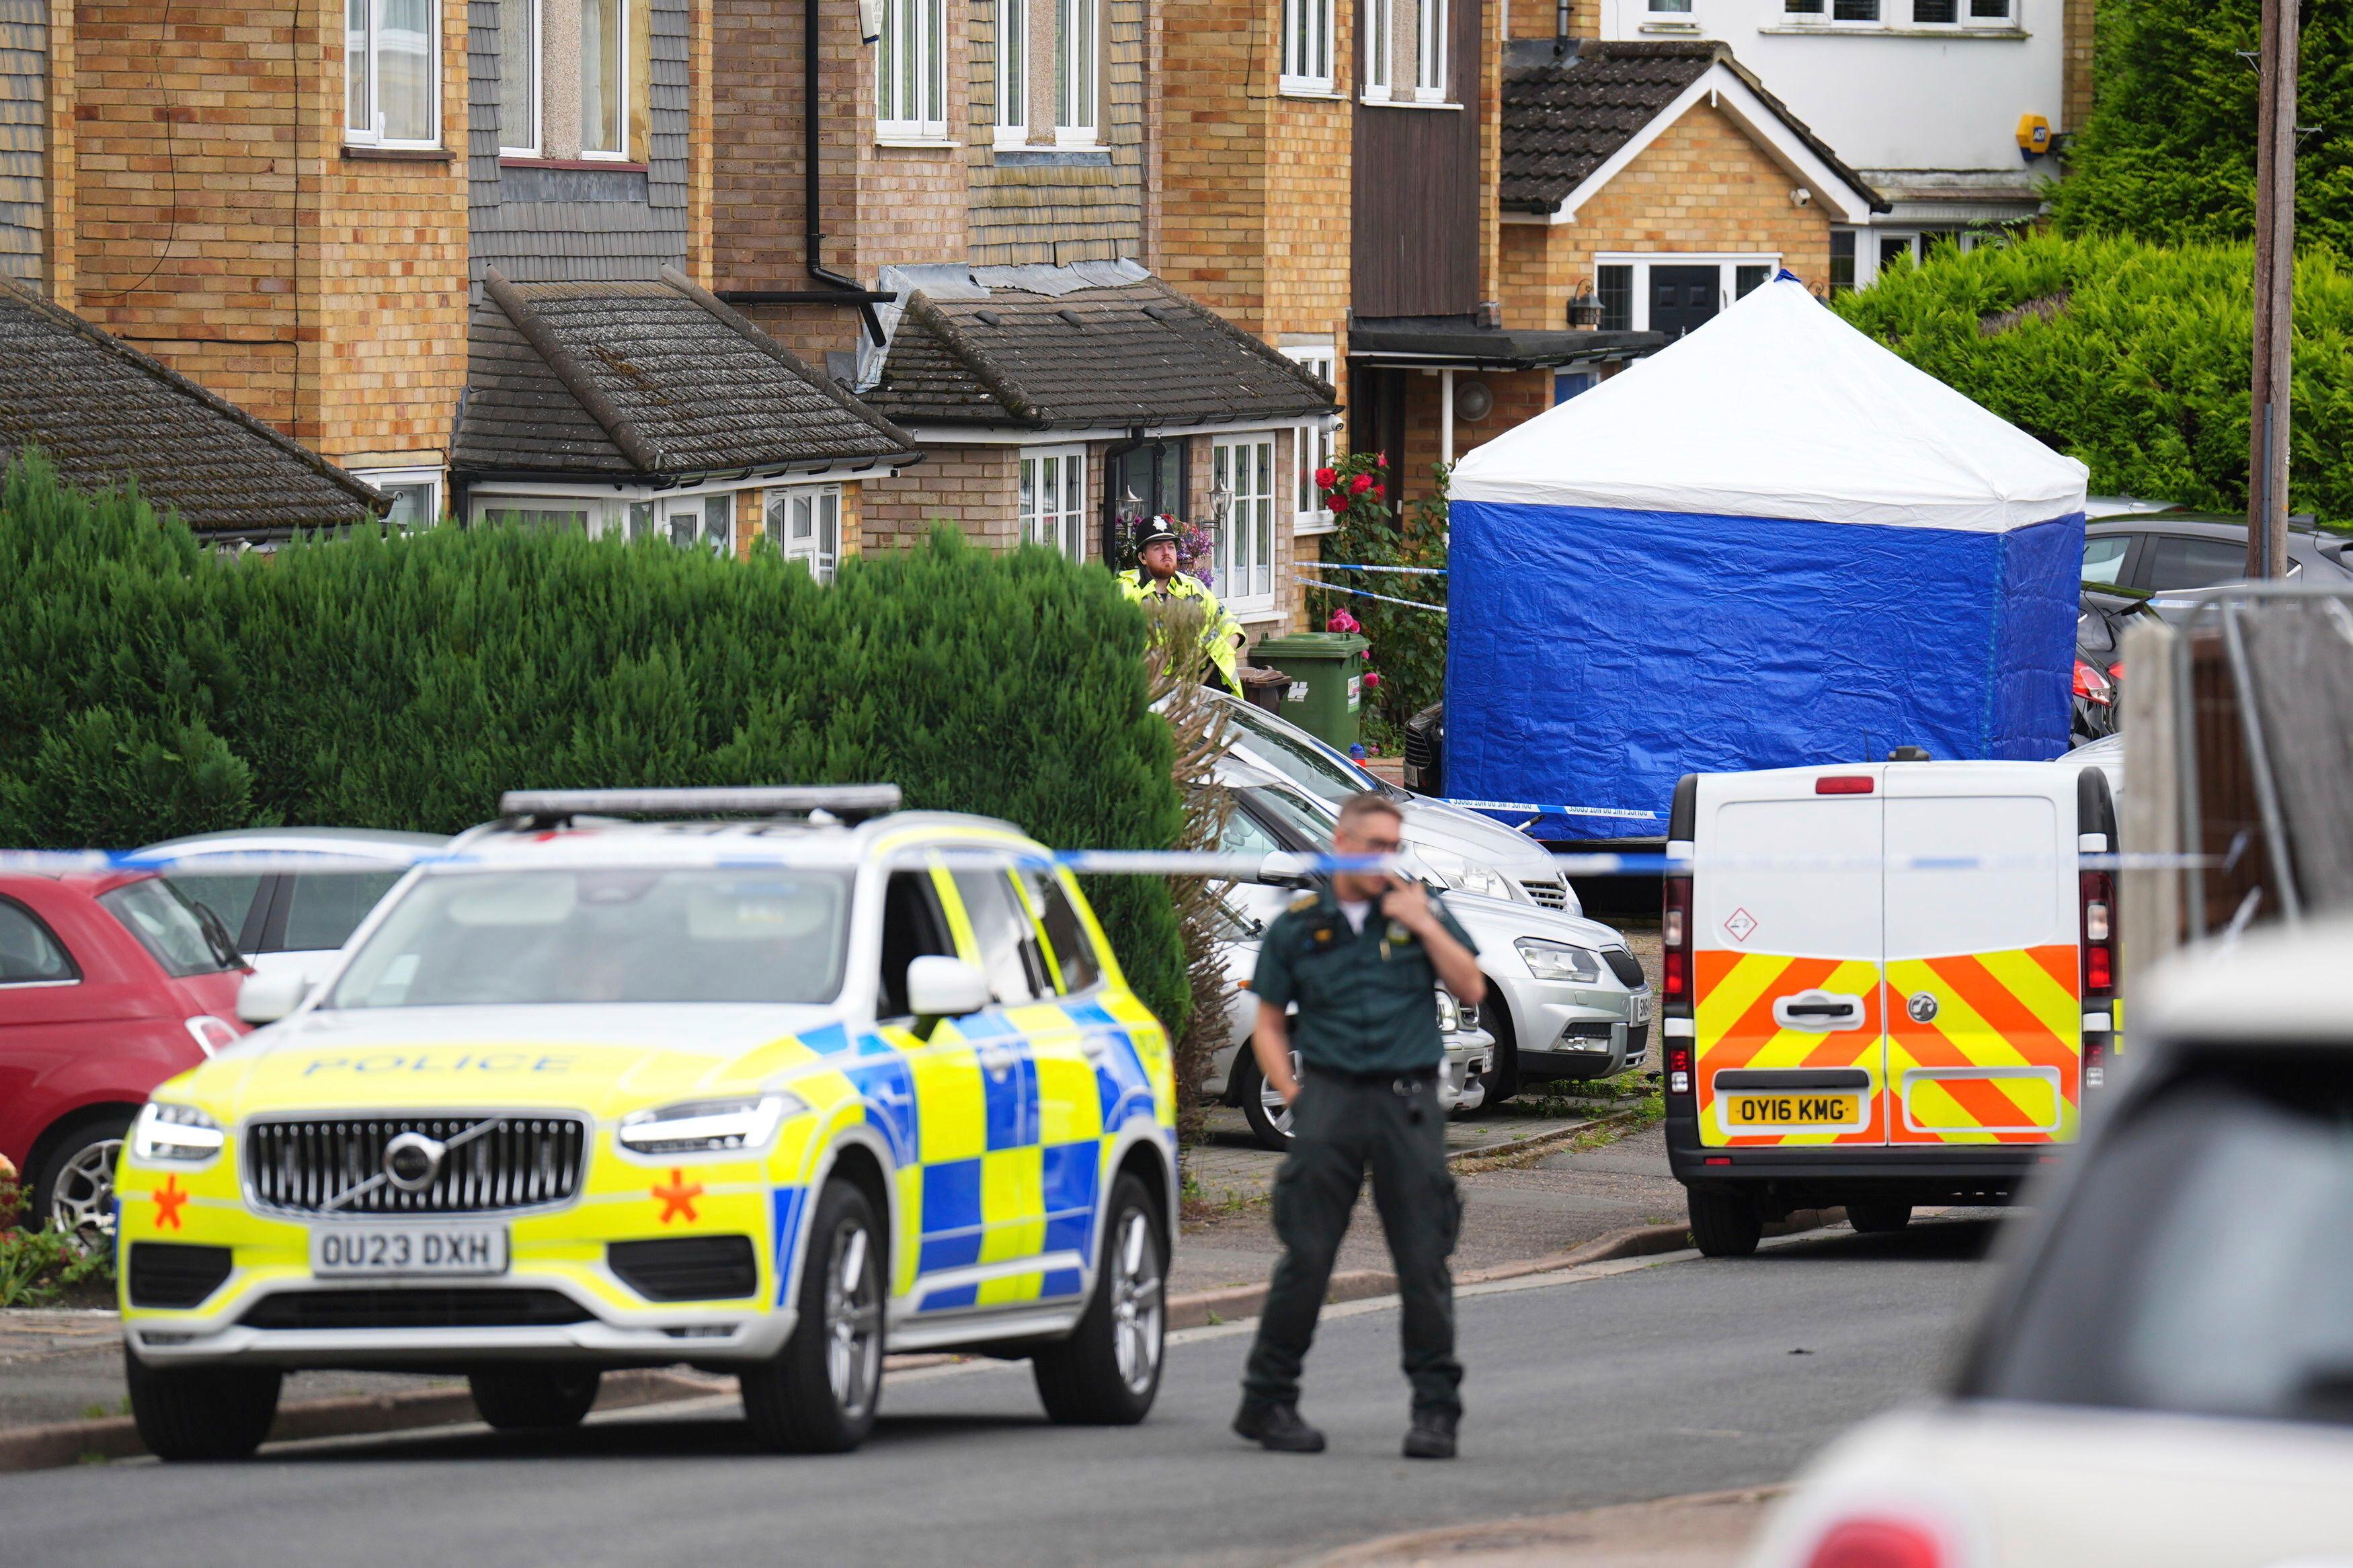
(2131, 357)
(2169, 155)
(158, 688)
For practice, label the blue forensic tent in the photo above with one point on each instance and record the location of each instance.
(1772, 544)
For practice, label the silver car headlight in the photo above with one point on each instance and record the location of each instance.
(175, 1135)
(708, 1126)
(1450, 1013)
(1464, 876)
(1558, 960)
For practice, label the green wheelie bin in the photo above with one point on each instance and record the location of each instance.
(1327, 680)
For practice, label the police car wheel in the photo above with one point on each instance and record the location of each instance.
(1108, 1372)
(201, 1412)
(820, 1394)
(1724, 1224)
(1262, 1107)
(1877, 1216)
(519, 1398)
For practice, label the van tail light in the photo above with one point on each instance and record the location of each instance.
(1675, 944)
(1842, 783)
(2097, 893)
(211, 1034)
(2093, 687)
(1878, 1544)
(1678, 1068)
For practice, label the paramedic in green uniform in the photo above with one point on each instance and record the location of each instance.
(1362, 960)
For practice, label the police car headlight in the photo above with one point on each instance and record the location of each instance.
(1558, 960)
(708, 1126)
(1462, 875)
(175, 1135)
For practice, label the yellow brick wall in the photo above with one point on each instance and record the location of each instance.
(2075, 21)
(1541, 19)
(220, 227)
(60, 220)
(1703, 186)
(972, 487)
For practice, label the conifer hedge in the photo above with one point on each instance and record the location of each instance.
(2132, 357)
(156, 688)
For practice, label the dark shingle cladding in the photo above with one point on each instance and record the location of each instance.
(648, 382)
(1090, 359)
(1565, 115)
(103, 413)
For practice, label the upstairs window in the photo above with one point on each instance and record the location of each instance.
(1429, 79)
(1407, 56)
(392, 73)
(1380, 21)
(1012, 72)
(603, 79)
(910, 82)
(1307, 45)
(519, 47)
(1078, 116)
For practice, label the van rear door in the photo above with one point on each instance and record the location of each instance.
(1985, 1021)
(1786, 932)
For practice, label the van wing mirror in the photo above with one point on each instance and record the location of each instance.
(267, 997)
(942, 987)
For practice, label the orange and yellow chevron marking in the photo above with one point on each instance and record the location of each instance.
(1734, 1027)
(1999, 1061)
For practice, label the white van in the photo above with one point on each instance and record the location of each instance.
(1883, 985)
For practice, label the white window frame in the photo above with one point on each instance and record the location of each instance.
(1078, 74)
(1054, 520)
(1381, 48)
(1432, 22)
(1308, 26)
(1247, 541)
(534, 50)
(627, 9)
(371, 133)
(822, 549)
(430, 477)
(920, 26)
(1013, 72)
(1313, 445)
(1723, 262)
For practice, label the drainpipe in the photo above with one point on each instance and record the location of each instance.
(813, 232)
(1560, 31)
(1446, 417)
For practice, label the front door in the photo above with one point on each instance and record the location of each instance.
(1984, 1018)
(1683, 298)
(1785, 939)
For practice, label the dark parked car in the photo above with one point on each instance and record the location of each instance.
(1425, 751)
(2166, 552)
(2100, 622)
(109, 984)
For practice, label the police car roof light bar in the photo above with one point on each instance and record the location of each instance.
(550, 807)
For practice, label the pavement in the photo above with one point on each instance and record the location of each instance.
(1615, 1384)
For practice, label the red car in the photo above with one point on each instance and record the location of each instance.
(109, 984)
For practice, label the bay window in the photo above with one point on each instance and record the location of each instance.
(392, 73)
(1242, 473)
(1052, 500)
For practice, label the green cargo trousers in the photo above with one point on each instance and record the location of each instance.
(1341, 1125)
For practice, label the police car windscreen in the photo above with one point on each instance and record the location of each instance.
(525, 938)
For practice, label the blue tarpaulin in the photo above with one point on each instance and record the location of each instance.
(1772, 544)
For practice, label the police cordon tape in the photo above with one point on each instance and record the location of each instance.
(1368, 593)
(1356, 566)
(1280, 866)
(1522, 808)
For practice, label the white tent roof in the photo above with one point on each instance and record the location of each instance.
(1777, 409)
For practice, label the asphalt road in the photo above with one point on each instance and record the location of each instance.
(1681, 1377)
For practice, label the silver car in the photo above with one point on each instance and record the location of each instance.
(1565, 998)
(1467, 852)
(1234, 1077)
(292, 920)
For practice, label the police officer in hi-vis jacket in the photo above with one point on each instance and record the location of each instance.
(1361, 959)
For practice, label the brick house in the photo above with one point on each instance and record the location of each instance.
(997, 157)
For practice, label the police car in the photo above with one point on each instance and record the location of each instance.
(765, 1094)
(1883, 985)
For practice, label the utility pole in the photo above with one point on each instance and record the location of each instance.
(2267, 442)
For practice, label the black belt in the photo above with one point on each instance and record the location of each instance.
(1368, 1079)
